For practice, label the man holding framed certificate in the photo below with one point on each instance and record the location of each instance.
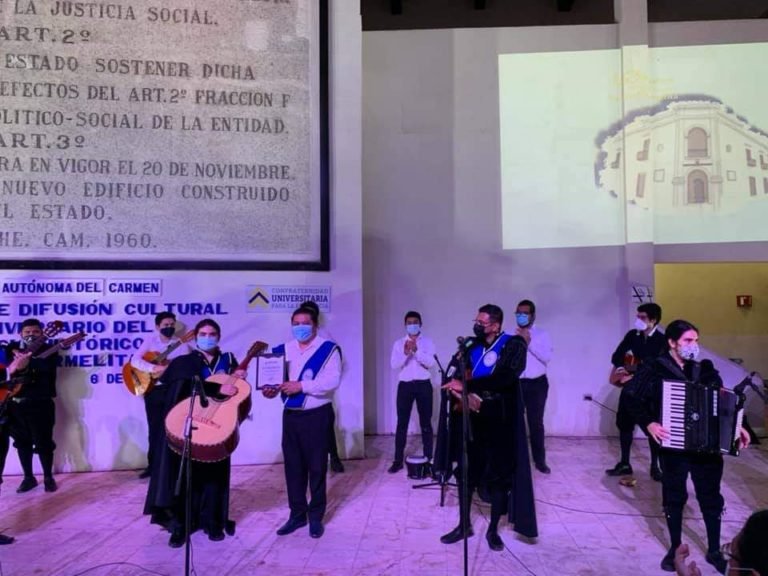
(314, 373)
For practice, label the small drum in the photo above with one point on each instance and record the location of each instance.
(417, 467)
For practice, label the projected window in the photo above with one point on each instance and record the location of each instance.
(643, 154)
(763, 163)
(698, 187)
(640, 188)
(765, 185)
(752, 186)
(751, 162)
(697, 143)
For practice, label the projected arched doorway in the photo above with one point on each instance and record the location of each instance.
(698, 187)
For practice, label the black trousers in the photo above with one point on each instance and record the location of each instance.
(5, 445)
(31, 423)
(419, 391)
(706, 472)
(333, 451)
(154, 406)
(305, 452)
(535, 392)
(625, 422)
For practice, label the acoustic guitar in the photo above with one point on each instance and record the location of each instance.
(139, 382)
(13, 385)
(216, 427)
(620, 376)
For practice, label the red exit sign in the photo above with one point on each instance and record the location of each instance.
(744, 301)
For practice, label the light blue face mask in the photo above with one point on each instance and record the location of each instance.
(523, 319)
(302, 332)
(689, 351)
(412, 329)
(207, 343)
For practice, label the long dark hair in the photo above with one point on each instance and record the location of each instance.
(208, 322)
(752, 552)
(677, 328)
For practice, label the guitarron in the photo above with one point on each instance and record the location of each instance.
(216, 427)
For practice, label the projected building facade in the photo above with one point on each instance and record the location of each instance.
(685, 154)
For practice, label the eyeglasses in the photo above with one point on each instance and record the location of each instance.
(483, 324)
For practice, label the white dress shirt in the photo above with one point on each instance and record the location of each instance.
(319, 390)
(539, 354)
(152, 343)
(413, 366)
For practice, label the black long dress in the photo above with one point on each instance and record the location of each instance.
(210, 481)
(498, 454)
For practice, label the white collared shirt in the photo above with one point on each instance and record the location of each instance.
(320, 389)
(539, 354)
(413, 366)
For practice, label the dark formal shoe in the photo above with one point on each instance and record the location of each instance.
(50, 484)
(455, 535)
(6, 539)
(27, 484)
(337, 466)
(292, 525)
(216, 535)
(668, 562)
(177, 539)
(316, 528)
(396, 467)
(717, 560)
(494, 540)
(146, 473)
(620, 469)
(543, 468)
(656, 474)
(229, 527)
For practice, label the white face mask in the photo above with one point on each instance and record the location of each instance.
(640, 325)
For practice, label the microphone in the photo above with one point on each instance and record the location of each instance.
(201, 390)
(465, 342)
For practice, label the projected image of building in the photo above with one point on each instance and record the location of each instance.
(686, 155)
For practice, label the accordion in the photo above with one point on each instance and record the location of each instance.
(701, 418)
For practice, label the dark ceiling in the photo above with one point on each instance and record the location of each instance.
(422, 14)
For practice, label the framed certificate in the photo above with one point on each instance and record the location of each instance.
(270, 370)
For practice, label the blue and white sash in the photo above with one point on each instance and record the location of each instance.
(484, 360)
(311, 369)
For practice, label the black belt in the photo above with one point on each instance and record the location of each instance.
(302, 411)
(542, 377)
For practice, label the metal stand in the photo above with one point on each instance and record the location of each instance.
(442, 480)
(466, 437)
(186, 467)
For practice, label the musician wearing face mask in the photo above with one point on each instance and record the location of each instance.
(154, 400)
(32, 412)
(210, 481)
(533, 382)
(645, 342)
(7, 372)
(413, 356)
(314, 373)
(644, 395)
(498, 450)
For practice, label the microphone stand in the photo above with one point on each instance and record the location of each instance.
(466, 437)
(442, 480)
(186, 467)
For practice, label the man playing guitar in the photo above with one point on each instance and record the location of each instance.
(644, 342)
(154, 400)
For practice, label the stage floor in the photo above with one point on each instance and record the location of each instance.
(376, 523)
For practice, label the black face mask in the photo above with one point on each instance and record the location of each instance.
(168, 331)
(479, 330)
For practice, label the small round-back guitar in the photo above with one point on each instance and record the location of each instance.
(217, 426)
